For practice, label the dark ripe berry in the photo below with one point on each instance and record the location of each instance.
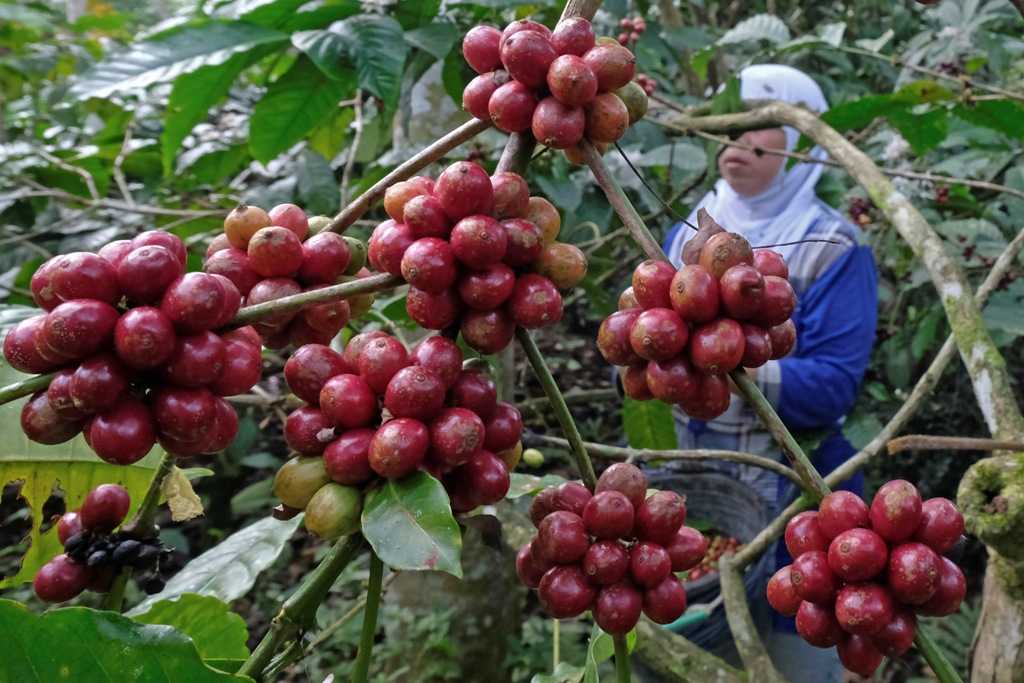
(232, 301)
(487, 331)
(573, 36)
(477, 94)
(724, 250)
(184, 414)
(613, 337)
(613, 65)
(478, 241)
(757, 346)
(429, 264)
(686, 549)
(162, 238)
(783, 338)
(817, 625)
(777, 303)
(308, 431)
(606, 118)
(804, 534)
(42, 424)
(441, 356)
(145, 272)
(562, 538)
(243, 366)
(334, 511)
(914, 573)
(298, 480)
(355, 347)
(275, 252)
(529, 571)
(658, 334)
(76, 329)
(717, 347)
(523, 25)
(839, 511)
(291, 217)
(781, 594)
(425, 217)
(398, 447)
(414, 392)
(455, 435)
(571, 496)
(144, 338)
(113, 252)
(511, 195)
(571, 81)
(665, 602)
(813, 579)
(896, 511)
(543, 504)
(20, 346)
(525, 242)
(69, 524)
(218, 243)
(198, 360)
(863, 608)
(564, 592)
(98, 383)
(270, 290)
(104, 508)
(606, 562)
(348, 401)
(378, 362)
(124, 434)
(859, 655)
(309, 368)
(60, 579)
(857, 555)
(897, 636)
(480, 48)
(325, 256)
(634, 382)
(81, 275)
(195, 302)
(433, 311)
(465, 190)
(941, 524)
(504, 428)
(399, 194)
(608, 514)
(475, 391)
(328, 317)
(511, 107)
(544, 215)
(484, 477)
(742, 290)
(347, 458)
(41, 285)
(617, 608)
(557, 125)
(694, 294)
(527, 56)
(659, 517)
(535, 302)
(59, 396)
(387, 245)
(625, 478)
(770, 262)
(712, 398)
(299, 333)
(651, 282)
(486, 289)
(950, 592)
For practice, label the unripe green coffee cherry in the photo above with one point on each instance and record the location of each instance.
(298, 479)
(334, 511)
(635, 99)
(318, 224)
(533, 458)
(358, 250)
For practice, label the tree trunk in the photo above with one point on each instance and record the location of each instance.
(998, 655)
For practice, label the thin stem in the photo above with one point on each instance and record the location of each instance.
(944, 671)
(362, 666)
(114, 599)
(363, 285)
(565, 418)
(556, 643)
(622, 670)
(928, 442)
(643, 181)
(25, 387)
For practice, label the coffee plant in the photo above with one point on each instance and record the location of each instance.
(374, 344)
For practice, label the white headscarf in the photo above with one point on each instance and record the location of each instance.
(784, 211)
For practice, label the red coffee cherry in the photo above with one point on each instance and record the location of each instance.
(665, 602)
(308, 431)
(687, 549)
(803, 534)
(571, 81)
(617, 608)
(659, 517)
(76, 329)
(465, 189)
(897, 636)
(564, 592)
(487, 331)
(818, 625)
(717, 347)
(896, 511)
(124, 434)
(635, 383)
(348, 401)
(476, 96)
(433, 311)
(325, 257)
(162, 238)
(243, 366)
(511, 195)
(859, 655)
(777, 303)
(863, 608)
(387, 245)
(480, 48)
(144, 273)
(291, 217)
(429, 264)
(694, 294)
(511, 107)
(857, 555)
(573, 36)
(184, 414)
(415, 392)
(441, 356)
(649, 564)
(613, 337)
(379, 360)
(484, 478)
(398, 447)
(20, 346)
(104, 508)
(782, 596)
(275, 252)
(270, 290)
(81, 275)
(839, 511)
(941, 524)
(195, 302)
(572, 496)
(69, 524)
(757, 346)
(198, 360)
(475, 391)
(813, 579)
(347, 458)
(562, 538)
(608, 514)
(535, 302)
(144, 338)
(455, 435)
(606, 562)
(98, 383)
(426, 217)
(651, 282)
(60, 579)
(770, 262)
(542, 505)
(309, 368)
(529, 571)
(783, 338)
(950, 592)
(58, 394)
(525, 242)
(658, 334)
(40, 423)
(504, 428)
(914, 573)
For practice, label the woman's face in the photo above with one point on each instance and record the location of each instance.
(746, 172)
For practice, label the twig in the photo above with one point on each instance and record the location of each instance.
(119, 178)
(363, 285)
(362, 665)
(927, 442)
(86, 177)
(622, 670)
(116, 205)
(25, 387)
(346, 175)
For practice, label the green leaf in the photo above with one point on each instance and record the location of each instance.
(860, 112)
(1003, 311)
(455, 76)
(293, 106)
(413, 14)
(179, 51)
(217, 632)
(766, 27)
(860, 428)
(1002, 115)
(529, 484)
(81, 644)
(649, 424)
(563, 673)
(228, 570)
(329, 137)
(436, 38)
(923, 131)
(728, 101)
(409, 523)
(212, 167)
(315, 184)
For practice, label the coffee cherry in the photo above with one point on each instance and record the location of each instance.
(839, 511)
(243, 366)
(195, 302)
(817, 625)
(651, 282)
(40, 423)
(757, 346)
(348, 401)
(429, 264)
(81, 275)
(606, 562)
(69, 524)
(724, 250)
(60, 579)
(455, 435)
(487, 331)
(308, 431)
(225, 427)
(711, 400)
(783, 338)
(717, 347)
(425, 217)
(480, 48)
(562, 538)
(950, 592)
(41, 286)
(571, 496)
(659, 517)
(529, 571)
(804, 534)
(770, 262)
(76, 329)
(665, 602)
(475, 391)
(299, 479)
(557, 125)
(544, 215)
(275, 252)
(564, 592)
(613, 65)
(58, 394)
(564, 264)
(98, 383)
(686, 549)
(694, 294)
(270, 290)
(634, 382)
(636, 100)
(625, 478)
(658, 334)
(606, 118)
(433, 311)
(511, 107)
(333, 511)
(477, 94)
(571, 81)
(309, 368)
(504, 428)
(812, 578)
(614, 337)
(144, 273)
(523, 25)
(398, 447)
(325, 256)
(617, 608)
(347, 458)
(857, 555)
(941, 524)
(896, 511)
(897, 636)
(379, 360)
(649, 564)
(243, 222)
(527, 55)
(608, 514)
(863, 608)
(573, 36)
(291, 217)
(465, 189)
(144, 338)
(543, 504)
(535, 302)
(525, 242)
(742, 290)
(162, 238)
(511, 195)
(486, 289)
(414, 392)
(914, 573)
(439, 355)
(387, 245)
(124, 434)
(184, 414)
(197, 360)
(859, 655)
(218, 243)
(484, 477)
(777, 303)
(104, 508)
(20, 346)
(781, 594)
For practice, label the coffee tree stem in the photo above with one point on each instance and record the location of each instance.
(25, 387)
(944, 671)
(622, 670)
(362, 665)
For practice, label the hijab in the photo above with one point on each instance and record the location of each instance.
(786, 210)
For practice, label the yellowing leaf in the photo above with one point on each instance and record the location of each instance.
(181, 499)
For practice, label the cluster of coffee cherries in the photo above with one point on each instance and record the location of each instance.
(861, 574)
(377, 410)
(563, 85)
(859, 210)
(270, 255)
(129, 334)
(477, 251)
(648, 84)
(718, 545)
(93, 553)
(613, 552)
(677, 334)
(632, 29)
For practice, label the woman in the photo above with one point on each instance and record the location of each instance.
(815, 386)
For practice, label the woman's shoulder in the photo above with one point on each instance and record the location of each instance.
(810, 261)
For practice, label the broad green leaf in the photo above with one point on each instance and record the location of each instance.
(217, 632)
(649, 424)
(923, 131)
(529, 484)
(329, 138)
(728, 101)
(321, 15)
(213, 167)
(600, 649)
(758, 27)
(228, 570)
(860, 112)
(413, 14)
(1003, 311)
(179, 51)
(81, 644)
(1005, 116)
(456, 75)
(26, 16)
(409, 523)
(315, 184)
(292, 107)
(436, 38)
(563, 673)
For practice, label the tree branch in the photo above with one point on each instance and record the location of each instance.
(928, 442)
(744, 633)
(363, 285)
